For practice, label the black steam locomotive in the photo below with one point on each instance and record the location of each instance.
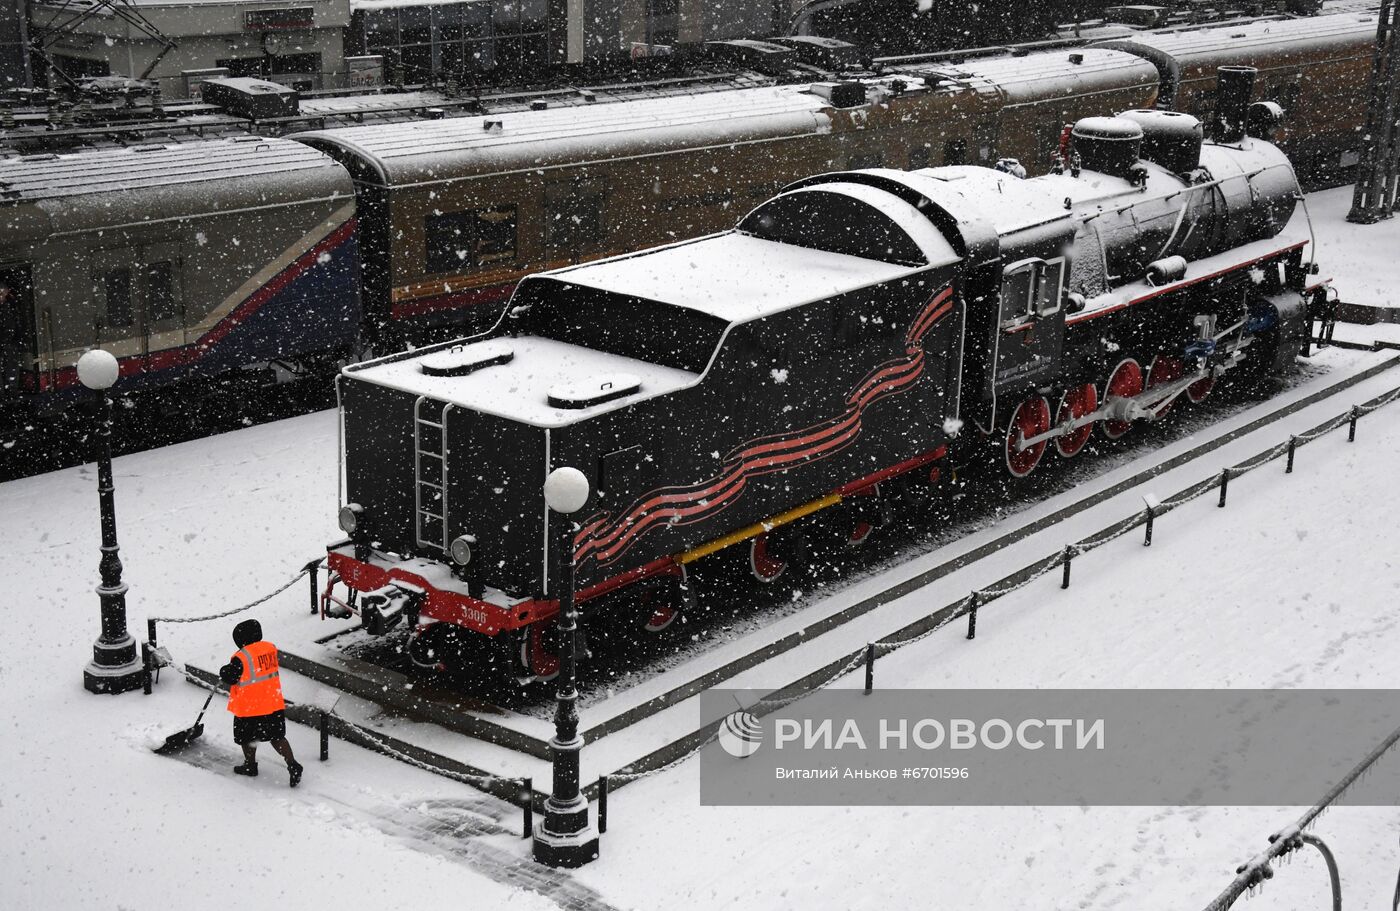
(851, 335)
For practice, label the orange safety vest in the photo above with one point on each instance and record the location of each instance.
(259, 690)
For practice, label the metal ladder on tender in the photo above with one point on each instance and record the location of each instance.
(430, 472)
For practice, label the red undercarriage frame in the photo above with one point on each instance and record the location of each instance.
(490, 619)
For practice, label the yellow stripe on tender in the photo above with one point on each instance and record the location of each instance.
(758, 528)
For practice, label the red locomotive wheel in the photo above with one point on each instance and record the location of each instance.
(765, 566)
(1032, 418)
(665, 599)
(537, 659)
(1199, 390)
(1164, 370)
(860, 533)
(1124, 382)
(1076, 402)
(659, 610)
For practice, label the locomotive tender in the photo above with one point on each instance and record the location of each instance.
(849, 336)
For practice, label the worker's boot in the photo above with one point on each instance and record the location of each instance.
(248, 768)
(294, 772)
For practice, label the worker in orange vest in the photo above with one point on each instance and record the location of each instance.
(255, 698)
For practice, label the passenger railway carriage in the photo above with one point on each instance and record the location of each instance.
(201, 258)
(455, 212)
(850, 337)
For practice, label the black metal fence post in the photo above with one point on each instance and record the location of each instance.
(314, 566)
(1147, 535)
(325, 728)
(1224, 486)
(972, 617)
(869, 667)
(529, 807)
(1292, 447)
(151, 632)
(146, 668)
(1351, 430)
(1069, 556)
(602, 804)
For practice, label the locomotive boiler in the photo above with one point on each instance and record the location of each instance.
(848, 338)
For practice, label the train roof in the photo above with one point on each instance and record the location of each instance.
(715, 275)
(29, 178)
(443, 150)
(720, 275)
(1208, 48)
(97, 189)
(1051, 73)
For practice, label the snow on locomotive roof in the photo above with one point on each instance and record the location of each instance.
(734, 276)
(436, 150)
(1037, 75)
(520, 389)
(1293, 37)
(37, 177)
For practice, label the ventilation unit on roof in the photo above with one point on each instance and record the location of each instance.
(539, 104)
(492, 126)
(839, 94)
(594, 391)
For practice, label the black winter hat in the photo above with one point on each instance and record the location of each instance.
(246, 633)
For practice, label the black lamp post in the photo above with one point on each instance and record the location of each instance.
(114, 667)
(565, 837)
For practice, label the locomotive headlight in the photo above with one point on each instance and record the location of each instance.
(349, 517)
(461, 549)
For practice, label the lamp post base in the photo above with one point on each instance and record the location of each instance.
(114, 667)
(572, 850)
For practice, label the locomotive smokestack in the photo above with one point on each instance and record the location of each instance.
(1233, 90)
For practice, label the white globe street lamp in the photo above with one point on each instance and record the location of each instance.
(566, 837)
(114, 667)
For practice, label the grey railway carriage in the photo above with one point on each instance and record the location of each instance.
(848, 337)
(191, 259)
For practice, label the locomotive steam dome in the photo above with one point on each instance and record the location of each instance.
(1109, 145)
(1169, 138)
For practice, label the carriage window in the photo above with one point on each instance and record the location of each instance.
(463, 240)
(495, 235)
(955, 151)
(918, 157)
(116, 287)
(449, 239)
(160, 291)
(871, 160)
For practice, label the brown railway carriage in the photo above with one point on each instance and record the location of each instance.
(453, 213)
(1315, 68)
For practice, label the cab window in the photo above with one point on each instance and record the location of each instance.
(1030, 288)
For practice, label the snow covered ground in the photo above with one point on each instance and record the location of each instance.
(1305, 598)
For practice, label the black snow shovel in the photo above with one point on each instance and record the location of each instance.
(181, 739)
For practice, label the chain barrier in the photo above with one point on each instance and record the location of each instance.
(625, 776)
(1379, 402)
(377, 739)
(305, 571)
